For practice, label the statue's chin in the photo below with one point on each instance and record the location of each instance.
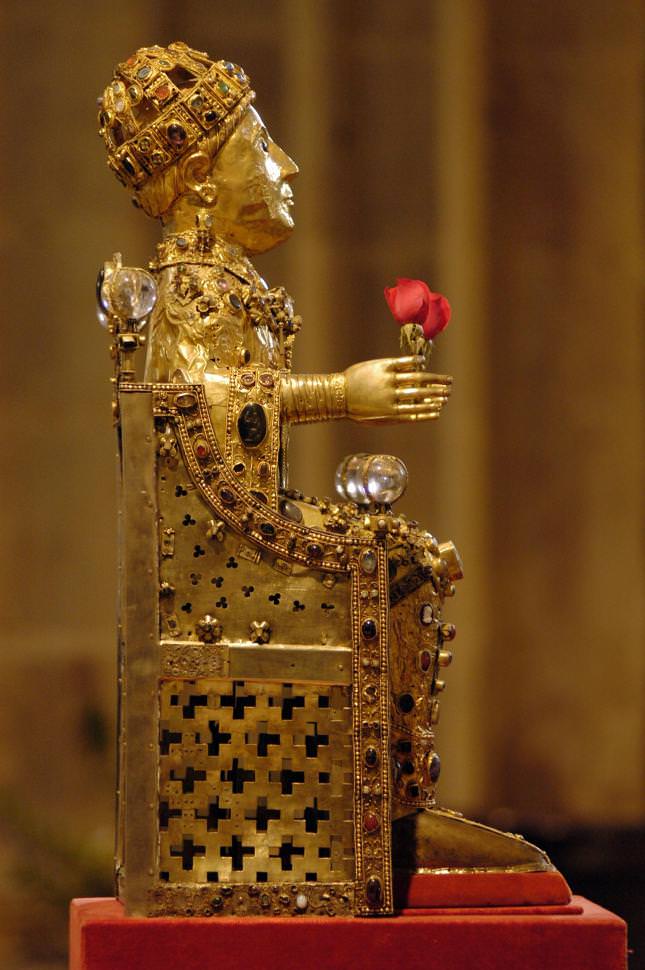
(265, 237)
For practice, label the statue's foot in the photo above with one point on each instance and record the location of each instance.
(440, 840)
(443, 860)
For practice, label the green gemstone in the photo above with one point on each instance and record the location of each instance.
(223, 87)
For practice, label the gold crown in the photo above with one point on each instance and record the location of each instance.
(161, 101)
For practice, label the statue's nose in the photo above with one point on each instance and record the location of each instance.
(288, 167)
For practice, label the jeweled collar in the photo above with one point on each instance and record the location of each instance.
(201, 247)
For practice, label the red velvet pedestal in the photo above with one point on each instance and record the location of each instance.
(575, 935)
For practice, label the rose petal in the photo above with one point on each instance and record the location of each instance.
(408, 300)
(412, 301)
(437, 317)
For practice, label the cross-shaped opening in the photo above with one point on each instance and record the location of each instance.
(236, 852)
(188, 852)
(189, 779)
(237, 701)
(217, 737)
(194, 700)
(215, 813)
(166, 813)
(168, 738)
(237, 776)
(287, 777)
(313, 740)
(286, 852)
(288, 704)
(262, 814)
(265, 739)
(312, 815)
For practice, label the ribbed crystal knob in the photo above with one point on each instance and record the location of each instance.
(366, 479)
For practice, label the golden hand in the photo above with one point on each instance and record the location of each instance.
(384, 391)
(394, 389)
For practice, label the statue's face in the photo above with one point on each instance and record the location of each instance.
(252, 177)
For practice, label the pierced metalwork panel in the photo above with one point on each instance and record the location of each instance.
(256, 782)
(207, 568)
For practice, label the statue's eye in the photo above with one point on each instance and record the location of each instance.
(264, 145)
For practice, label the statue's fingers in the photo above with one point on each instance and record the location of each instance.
(406, 364)
(431, 393)
(422, 377)
(418, 407)
(407, 418)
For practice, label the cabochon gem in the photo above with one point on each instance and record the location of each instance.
(369, 629)
(371, 822)
(371, 757)
(406, 703)
(373, 892)
(176, 134)
(290, 510)
(434, 768)
(426, 614)
(369, 562)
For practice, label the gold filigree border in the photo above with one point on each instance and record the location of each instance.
(256, 899)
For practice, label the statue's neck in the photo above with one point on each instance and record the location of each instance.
(202, 246)
(188, 221)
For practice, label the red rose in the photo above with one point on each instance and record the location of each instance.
(412, 301)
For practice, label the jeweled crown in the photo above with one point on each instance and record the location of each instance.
(163, 100)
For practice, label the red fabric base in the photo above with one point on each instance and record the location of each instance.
(581, 936)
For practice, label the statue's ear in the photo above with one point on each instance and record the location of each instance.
(195, 170)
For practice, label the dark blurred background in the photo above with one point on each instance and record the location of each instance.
(491, 147)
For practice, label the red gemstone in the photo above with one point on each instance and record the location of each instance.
(201, 451)
(371, 822)
(425, 660)
(162, 92)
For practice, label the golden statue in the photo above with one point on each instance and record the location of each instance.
(279, 655)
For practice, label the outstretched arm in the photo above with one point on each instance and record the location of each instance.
(384, 391)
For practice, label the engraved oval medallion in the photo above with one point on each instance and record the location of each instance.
(186, 400)
(252, 425)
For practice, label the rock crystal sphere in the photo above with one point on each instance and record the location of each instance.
(128, 293)
(366, 479)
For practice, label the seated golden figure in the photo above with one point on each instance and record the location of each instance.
(280, 656)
